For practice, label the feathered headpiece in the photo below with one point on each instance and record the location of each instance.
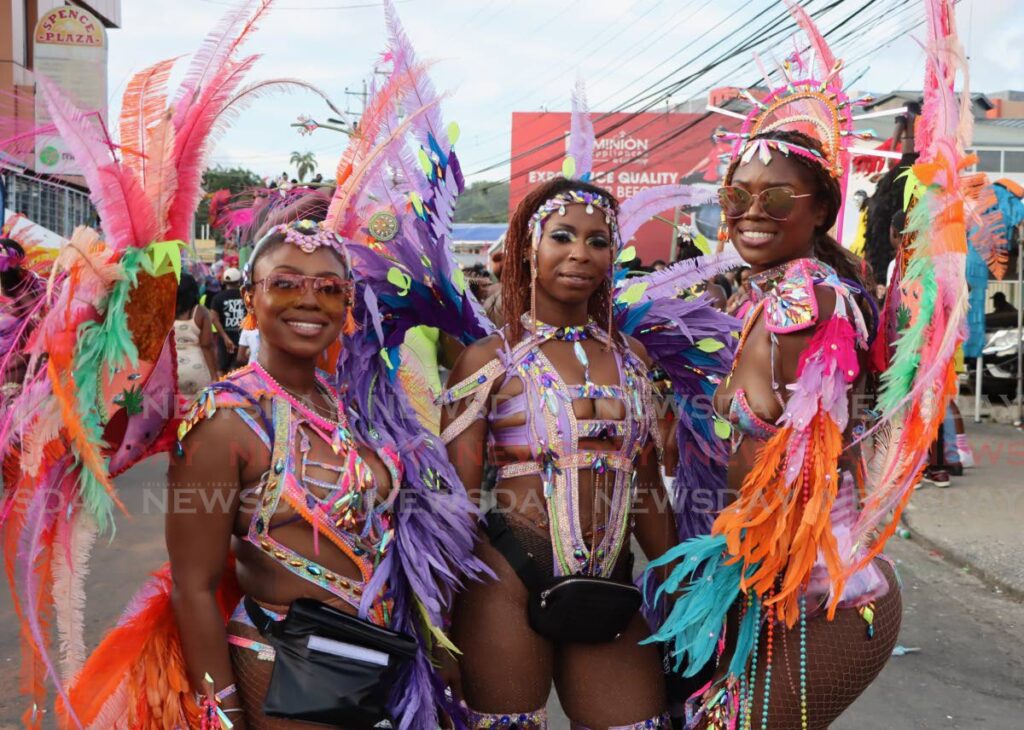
(812, 101)
(100, 389)
(306, 235)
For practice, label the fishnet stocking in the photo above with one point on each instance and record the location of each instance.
(841, 662)
(252, 677)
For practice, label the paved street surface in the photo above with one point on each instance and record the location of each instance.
(969, 672)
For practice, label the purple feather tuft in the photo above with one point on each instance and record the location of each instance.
(647, 203)
(581, 133)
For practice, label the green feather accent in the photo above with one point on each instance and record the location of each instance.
(898, 379)
(103, 345)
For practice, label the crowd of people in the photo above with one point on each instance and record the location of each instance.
(410, 493)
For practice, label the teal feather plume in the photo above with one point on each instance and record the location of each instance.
(709, 585)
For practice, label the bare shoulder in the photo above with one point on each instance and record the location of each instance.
(208, 442)
(638, 349)
(475, 356)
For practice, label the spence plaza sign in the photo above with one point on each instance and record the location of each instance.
(70, 49)
(633, 152)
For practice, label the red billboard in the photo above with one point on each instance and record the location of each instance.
(633, 152)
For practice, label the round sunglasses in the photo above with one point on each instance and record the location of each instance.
(776, 203)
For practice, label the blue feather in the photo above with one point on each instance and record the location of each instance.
(710, 586)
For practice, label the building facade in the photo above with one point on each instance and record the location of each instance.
(56, 202)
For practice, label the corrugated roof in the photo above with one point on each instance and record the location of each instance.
(484, 232)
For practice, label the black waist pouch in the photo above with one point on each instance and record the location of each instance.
(330, 668)
(569, 609)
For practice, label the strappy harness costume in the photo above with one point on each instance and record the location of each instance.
(553, 432)
(344, 510)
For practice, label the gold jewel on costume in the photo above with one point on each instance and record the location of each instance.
(383, 226)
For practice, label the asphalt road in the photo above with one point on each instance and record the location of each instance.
(969, 672)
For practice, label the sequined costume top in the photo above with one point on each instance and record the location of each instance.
(784, 298)
(341, 503)
(552, 432)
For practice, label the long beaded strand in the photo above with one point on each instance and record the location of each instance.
(749, 699)
(769, 649)
(803, 662)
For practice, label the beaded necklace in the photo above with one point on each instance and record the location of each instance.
(575, 334)
(335, 432)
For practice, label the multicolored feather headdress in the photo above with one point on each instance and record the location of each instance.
(100, 387)
(306, 235)
(812, 101)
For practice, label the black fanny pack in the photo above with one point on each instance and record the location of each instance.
(570, 609)
(330, 667)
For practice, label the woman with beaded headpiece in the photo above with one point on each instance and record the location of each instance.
(789, 594)
(316, 531)
(562, 401)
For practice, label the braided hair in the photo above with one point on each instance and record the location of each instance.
(515, 275)
(828, 193)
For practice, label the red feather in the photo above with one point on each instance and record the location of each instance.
(194, 132)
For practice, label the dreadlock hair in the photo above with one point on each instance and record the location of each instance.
(827, 192)
(515, 274)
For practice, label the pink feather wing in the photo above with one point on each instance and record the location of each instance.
(126, 216)
(193, 135)
(822, 53)
(144, 100)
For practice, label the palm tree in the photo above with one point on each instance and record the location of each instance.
(305, 163)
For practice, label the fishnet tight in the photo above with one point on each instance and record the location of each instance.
(841, 662)
(252, 677)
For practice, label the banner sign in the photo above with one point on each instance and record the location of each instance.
(633, 153)
(70, 49)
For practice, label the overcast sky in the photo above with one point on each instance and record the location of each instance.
(494, 57)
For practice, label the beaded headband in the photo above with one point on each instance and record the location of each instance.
(811, 100)
(763, 149)
(574, 197)
(306, 235)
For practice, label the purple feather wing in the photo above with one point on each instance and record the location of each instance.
(436, 531)
(692, 344)
(643, 206)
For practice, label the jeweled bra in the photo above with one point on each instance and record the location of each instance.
(552, 432)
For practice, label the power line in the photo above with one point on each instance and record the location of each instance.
(673, 135)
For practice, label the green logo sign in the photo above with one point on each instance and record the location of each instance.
(49, 155)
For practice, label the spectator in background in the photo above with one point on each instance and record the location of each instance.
(248, 347)
(1003, 313)
(718, 296)
(658, 265)
(193, 341)
(723, 281)
(739, 302)
(492, 299)
(228, 311)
